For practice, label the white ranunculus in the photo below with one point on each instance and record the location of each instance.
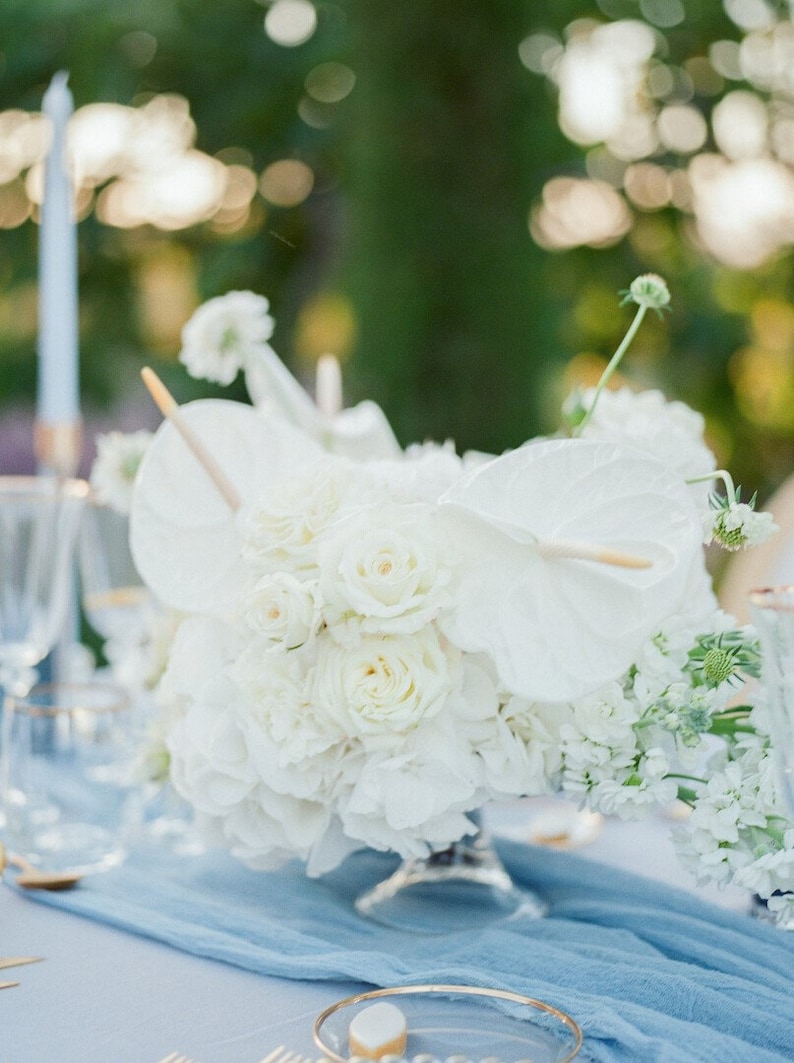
(385, 566)
(282, 609)
(382, 687)
(224, 334)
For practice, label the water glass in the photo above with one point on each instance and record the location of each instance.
(115, 600)
(67, 775)
(772, 610)
(39, 522)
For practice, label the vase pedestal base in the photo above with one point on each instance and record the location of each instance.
(463, 887)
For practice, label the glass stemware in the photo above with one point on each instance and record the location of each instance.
(39, 523)
(115, 600)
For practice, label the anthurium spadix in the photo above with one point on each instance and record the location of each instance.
(184, 535)
(528, 526)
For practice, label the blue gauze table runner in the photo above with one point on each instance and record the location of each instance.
(651, 973)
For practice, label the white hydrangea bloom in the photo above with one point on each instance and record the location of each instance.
(669, 430)
(282, 531)
(224, 334)
(113, 471)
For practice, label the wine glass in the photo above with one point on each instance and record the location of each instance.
(39, 524)
(115, 600)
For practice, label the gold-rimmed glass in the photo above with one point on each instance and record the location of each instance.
(463, 1021)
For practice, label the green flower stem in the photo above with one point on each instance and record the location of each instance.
(718, 474)
(687, 796)
(613, 364)
(738, 712)
(730, 727)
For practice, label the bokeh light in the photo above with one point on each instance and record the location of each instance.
(290, 22)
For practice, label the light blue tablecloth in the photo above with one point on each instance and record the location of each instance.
(652, 974)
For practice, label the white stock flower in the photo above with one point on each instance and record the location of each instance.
(112, 477)
(282, 609)
(224, 334)
(383, 686)
(384, 567)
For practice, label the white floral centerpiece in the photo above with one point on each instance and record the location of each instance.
(377, 642)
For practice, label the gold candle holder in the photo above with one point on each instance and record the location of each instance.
(58, 446)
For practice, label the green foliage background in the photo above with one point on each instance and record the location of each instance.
(418, 219)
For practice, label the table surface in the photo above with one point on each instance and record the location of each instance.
(101, 995)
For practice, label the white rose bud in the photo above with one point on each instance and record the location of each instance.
(282, 609)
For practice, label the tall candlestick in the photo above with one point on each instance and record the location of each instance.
(57, 406)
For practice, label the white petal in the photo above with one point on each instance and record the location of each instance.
(183, 534)
(559, 628)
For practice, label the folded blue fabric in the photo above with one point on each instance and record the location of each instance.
(651, 973)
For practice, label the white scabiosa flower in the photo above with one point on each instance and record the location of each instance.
(112, 477)
(738, 526)
(650, 291)
(224, 334)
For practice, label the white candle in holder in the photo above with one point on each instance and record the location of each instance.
(57, 406)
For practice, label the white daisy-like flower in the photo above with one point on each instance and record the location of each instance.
(225, 334)
(112, 476)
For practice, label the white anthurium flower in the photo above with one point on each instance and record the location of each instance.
(361, 433)
(556, 626)
(183, 533)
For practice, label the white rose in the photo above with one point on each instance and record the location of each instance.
(282, 609)
(383, 686)
(384, 566)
